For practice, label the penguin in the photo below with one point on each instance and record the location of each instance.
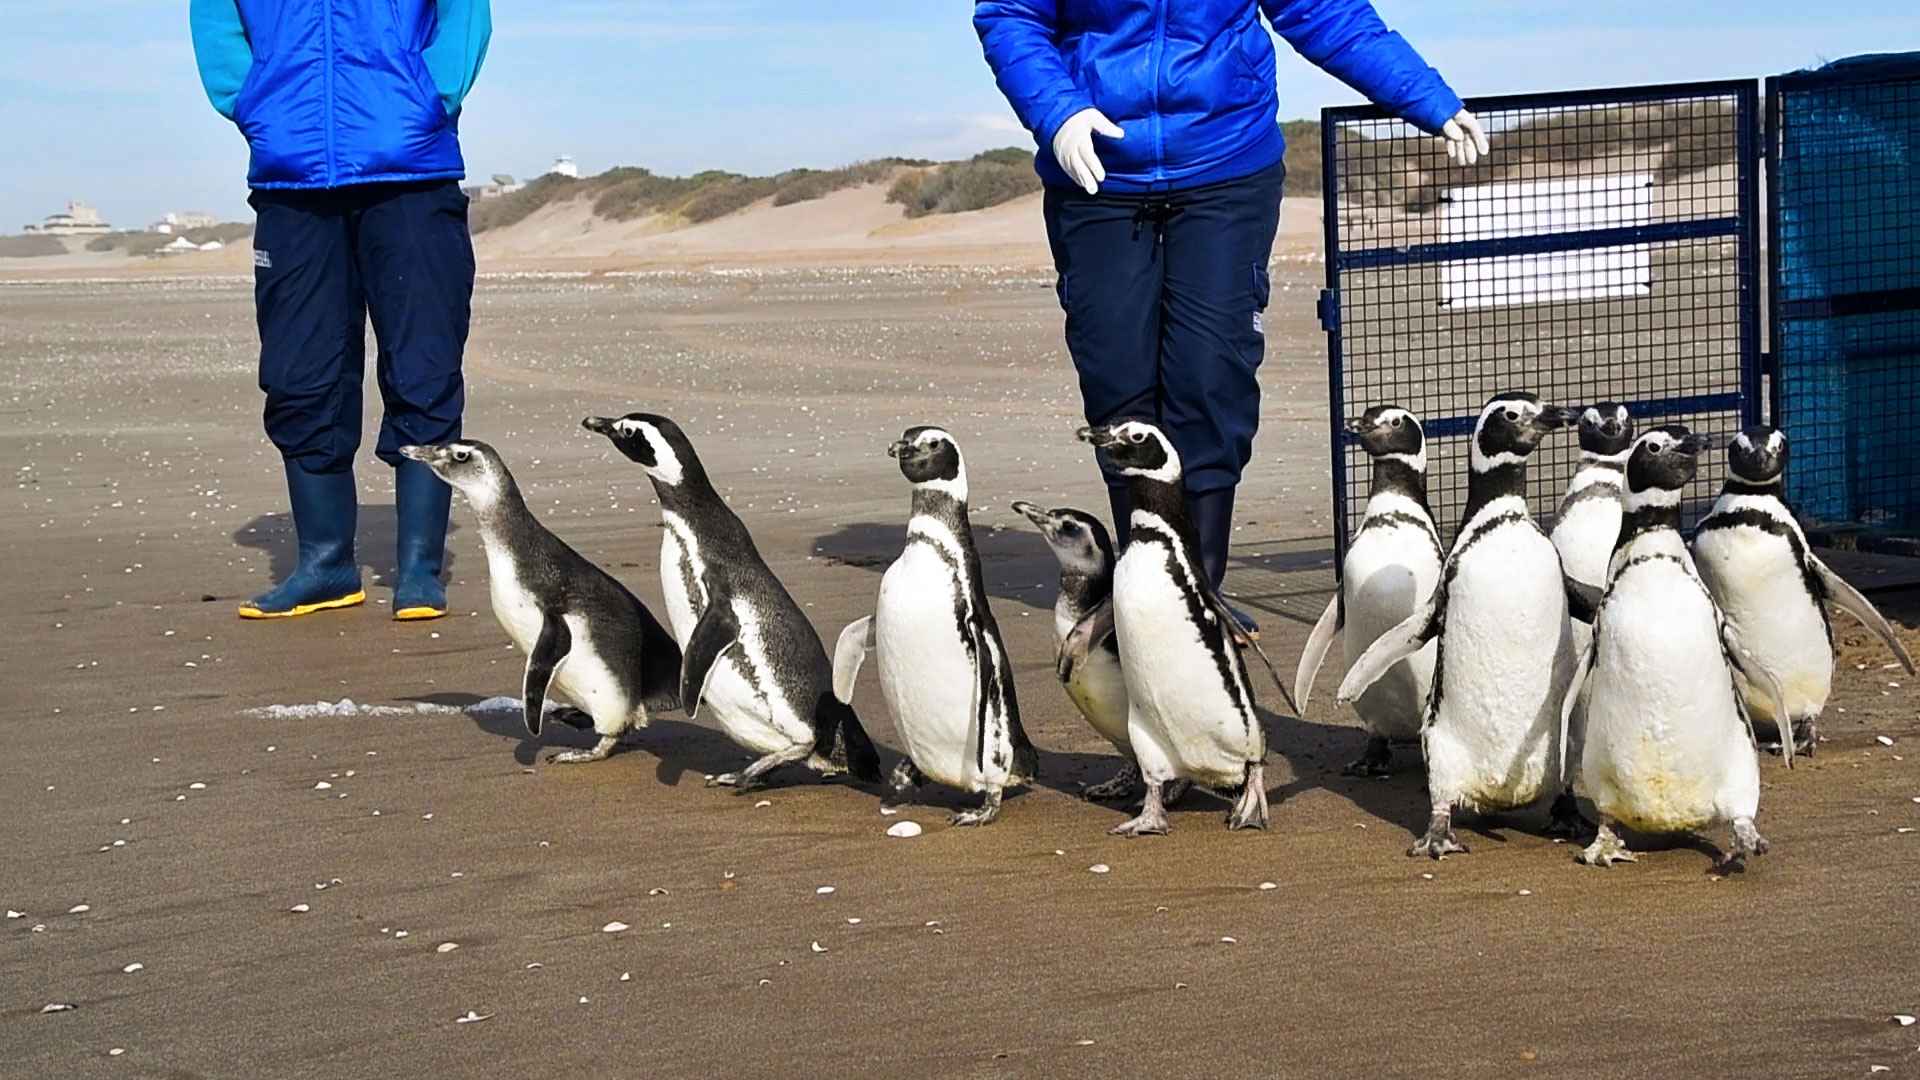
(750, 655)
(944, 670)
(1668, 748)
(1584, 533)
(1774, 589)
(1505, 650)
(587, 638)
(1391, 566)
(1190, 709)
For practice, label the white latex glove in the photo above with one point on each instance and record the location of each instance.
(1073, 147)
(1466, 139)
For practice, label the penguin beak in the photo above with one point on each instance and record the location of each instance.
(598, 424)
(895, 449)
(1358, 426)
(1098, 437)
(423, 454)
(1556, 416)
(1700, 440)
(1034, 514)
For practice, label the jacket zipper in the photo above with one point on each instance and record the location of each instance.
(1159, 51)
(326, 38)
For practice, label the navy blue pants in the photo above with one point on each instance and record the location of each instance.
(323, 262)
(1164, 295)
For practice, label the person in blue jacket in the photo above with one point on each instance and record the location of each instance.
(1161, 152)
(351, 110)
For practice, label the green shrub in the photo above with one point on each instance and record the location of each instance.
(511, 209)
(986, 179)
(30, 246)
(804, 185)
(720, 197)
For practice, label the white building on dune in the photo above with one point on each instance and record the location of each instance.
(564, 166)
(79, 220)
(181, 222)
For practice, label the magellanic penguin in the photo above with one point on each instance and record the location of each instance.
(1190, 709)
(1505, 650)
(944, 670)
(1667, 747)
(586, 637)
(1773, 589)
(751, 656)
(1391, 567)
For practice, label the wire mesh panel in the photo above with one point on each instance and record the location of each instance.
(1845, 262)
(1604, 251)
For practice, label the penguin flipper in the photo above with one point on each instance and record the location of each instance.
(1394, 646)
(848, 654)
(554, 643)
(1318, 643)
(838, 734)
(1849, 599)
(1081, 640)
(715, 633)
(1581, 670)
(1757, 674)
(1583, 600)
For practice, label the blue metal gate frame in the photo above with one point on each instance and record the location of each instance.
(1741, 228)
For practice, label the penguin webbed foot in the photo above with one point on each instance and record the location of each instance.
(754, 776)
(1439, 842)
(1152, 820)
(1123, 784)
(1250, 811)
(905, 775)
(1375, 760)
(1805, 734)
(1746, 841)
(1607, 848)
(600, 751)
(1565, 820)
(989, 809)
(572, 717)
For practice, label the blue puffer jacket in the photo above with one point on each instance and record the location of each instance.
(337, 92)
(1190, 81)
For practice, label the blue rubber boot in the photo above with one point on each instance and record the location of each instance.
(324, 506)
(1212, 513)
(420, 502)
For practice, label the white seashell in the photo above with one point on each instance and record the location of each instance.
(57, 1006)
(817, 947)
(116, 1051)
(904, 828)
(196, 786)
(853, 922)
(322, 786)
(12, 914)
(399, 933)
(1526, 892)
(299, 909)
(1099, 868)
(1230, 941)
(472, 1017)
(1883, 740)
(823, 890)
(77, 909)
(131, 968)
(447, 946)
(762, 802)
(626, 976)
(656, 892)
(888, 811)
(583, 1001)
(1268, 885)
(1903, 1019)
(613, 928)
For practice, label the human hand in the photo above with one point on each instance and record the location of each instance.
(1073, 147)
(1466, 139)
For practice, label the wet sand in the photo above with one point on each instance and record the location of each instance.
(147, 504)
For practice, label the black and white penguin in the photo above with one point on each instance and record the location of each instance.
(751, 656)
(1667, 746)
(1505, 658)
(1190, 710)
(1391, 567)
(1773, 589)
(586, 637)
(944, 670)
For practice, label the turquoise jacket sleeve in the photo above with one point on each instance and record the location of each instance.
(221, 49)
(458, 48)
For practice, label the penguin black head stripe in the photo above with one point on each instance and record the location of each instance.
(1606, 429)
(653, 442)
(1758, 455)
(1079, 539)
(1663, 462)
(1136, 448)
(1511, 426)
(1389, 430)
(928, 455)
(468, 465)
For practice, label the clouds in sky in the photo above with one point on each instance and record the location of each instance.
(99, 99)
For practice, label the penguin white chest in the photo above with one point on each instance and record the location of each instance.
(1506, 655)
(1584, 536)
(1665, 748)
(582, 677)
(1757, 582)
(1190, 714)
(1097, 687)
(680, 574)
(516, 609)
(1390, 571)
(927, 672)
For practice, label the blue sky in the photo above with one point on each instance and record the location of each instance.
(99, 100)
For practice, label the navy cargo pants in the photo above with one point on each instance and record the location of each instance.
(324, 260)
(1164, 295)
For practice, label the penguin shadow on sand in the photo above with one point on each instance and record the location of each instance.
(1277, 582)
(679, 747)
(376, 535)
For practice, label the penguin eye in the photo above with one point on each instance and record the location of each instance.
(1512, 416)
(1396, 421)
(1136, 436)
(462, 454)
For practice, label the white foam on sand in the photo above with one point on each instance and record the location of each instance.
(349, 707)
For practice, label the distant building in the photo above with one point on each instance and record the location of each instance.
(564, 166)
(179, 246)
(79, 220)
(502, 184)
(183, 221)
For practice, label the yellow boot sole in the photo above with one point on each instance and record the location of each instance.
(414, 614)
(248, 611)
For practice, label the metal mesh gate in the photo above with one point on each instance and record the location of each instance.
(1604, 251)
(1845, 260)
